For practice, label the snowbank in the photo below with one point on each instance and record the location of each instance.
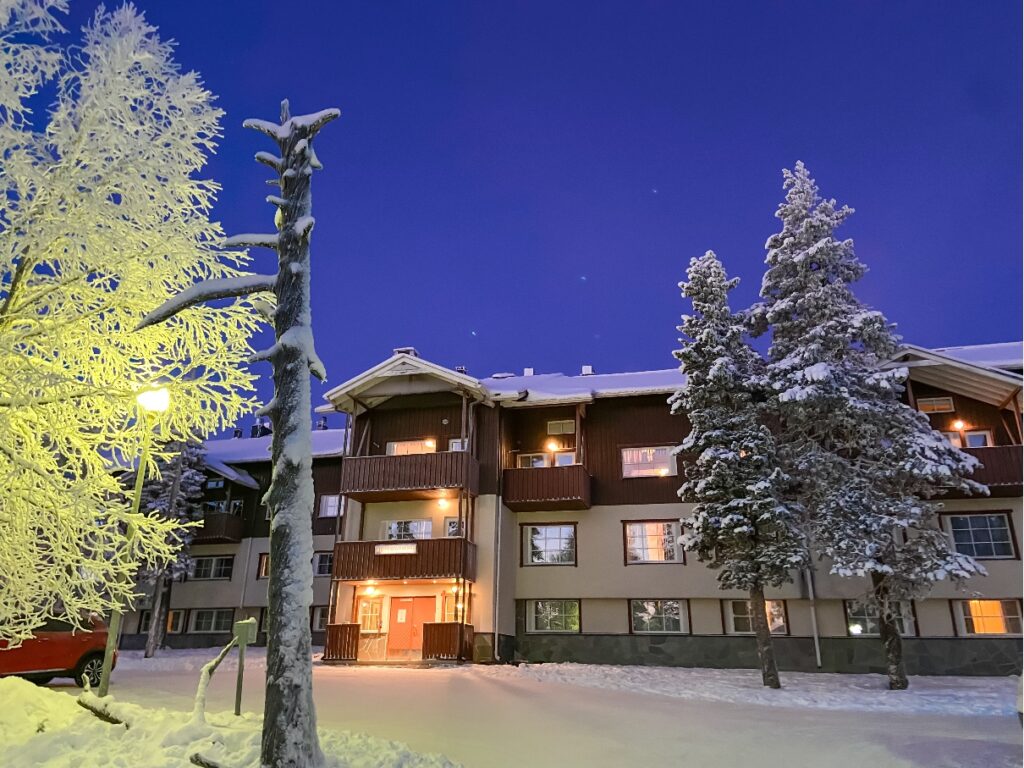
(39, 726)
(818, 690)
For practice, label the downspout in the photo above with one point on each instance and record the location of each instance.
(809, 577)
(497, 540)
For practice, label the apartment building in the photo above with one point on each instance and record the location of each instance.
(536, 517)
(228, 579)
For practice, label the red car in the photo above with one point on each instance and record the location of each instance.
(58, 650)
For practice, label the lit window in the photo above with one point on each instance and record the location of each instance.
(862, 618)
(988, 617)
(648, 462)
(370, 614)
(214, 507)
(978, 438)
(263, 566)
(658, 616)
(553, 459)
(653, 542)
(321, 613)
(175, 621)
(954, 439)
(454, 609)
(549, 544)
(215, 482)
(457, 444)
(405, 529)
(411, 447)
(562, 427)
(213, 620)
(739, 619)
(935, 404)
(553, 616)
(212, 567)
(323, 563)
(330, 506)
(981, 536)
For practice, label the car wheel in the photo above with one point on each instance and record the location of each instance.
(90, 668)
(41, 679)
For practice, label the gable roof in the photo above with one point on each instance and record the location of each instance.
(939, 369)
(245, 450)
(1005, 355)
(556, 388)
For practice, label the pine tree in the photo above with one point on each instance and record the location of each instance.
(740, 525)
(175, 494)
(867, 464)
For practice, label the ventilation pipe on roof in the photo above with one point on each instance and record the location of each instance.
(527, 371)
(321, 424)
(236, 432)
(460, 369)
(587, 370)
(411, 351)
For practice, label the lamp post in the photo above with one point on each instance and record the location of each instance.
(151, 402)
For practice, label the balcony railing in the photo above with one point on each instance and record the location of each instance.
(448, 641)
(546, 488)
(1001, 469)
(341, 642)
(219, 528)
(417, 476)
(405, 559)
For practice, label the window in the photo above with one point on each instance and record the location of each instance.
(236, 507)
(562, 427)
(452, 608)
(982, 536)
(452, 529)
(935, 404)
(218, 506)
(215, 482)
(174, 620)
(321, 613)
(954, 439)
(213, 567)
(988, 617)
(263, 566)
(330, 506)
(549, 544)
(658, 616)
(978, 438)
(144, 619)
(538, 460)
(323, 563)
(266, 511)
(653, 542)
(739, 620)
(862, 618)
(553, 616)
(457, 444)
(213, 620)
(410, 447)
(405, 529)
(648, 462)
(370, 614)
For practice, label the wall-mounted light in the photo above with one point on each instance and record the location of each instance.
(430, 443)
(442, 503)
(959, 425)
(551, 446)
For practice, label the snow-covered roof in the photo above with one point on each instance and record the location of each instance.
(239, 476)
(558, 387)
(939, 369)
(1007, 354)
(243, 450)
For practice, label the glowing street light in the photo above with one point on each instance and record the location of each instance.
(155, 400)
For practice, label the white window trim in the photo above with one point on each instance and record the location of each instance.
(323, 502)
(525, 544)
(561, 427)
(671, 471)
(907, 615)
(941, 399)
(262, 557)
(728, 617)
(961, 623)
(531, 616)
(680, 558)
(428, 443)
(213, 568)
(458, 444)
(988, 435)
(684, 616)
(316, 564)
(384, 524)
(385, 607)
(195, 615)
(321, 610)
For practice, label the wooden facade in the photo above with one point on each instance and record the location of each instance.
(547, 488)
(1001, 468)
(416, 476)
(341, 643)
(426, 559)
(220, 528)
(447, 641)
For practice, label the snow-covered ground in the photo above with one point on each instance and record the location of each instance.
(583, 715)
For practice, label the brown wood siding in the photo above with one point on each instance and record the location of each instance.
(326, 482)
(546, 488)
(393, 478)
(615, 423)
(441, 641)
(974, 413)
(411, 417)
(527, 428)
(219, 528)
(487, 449)
(341, 642)
(434, 559)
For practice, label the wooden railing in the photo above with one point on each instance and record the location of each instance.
(405, 559)
(219, 528)
(342, 642)
(441, 641)
(421, 475)
(1001, 465)
(544, 488)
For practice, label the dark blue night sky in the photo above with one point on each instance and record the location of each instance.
(522, 183)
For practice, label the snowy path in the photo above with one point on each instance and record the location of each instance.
(576, 715)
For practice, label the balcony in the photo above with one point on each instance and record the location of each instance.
(219, 528)
(401, 478)
(546, 488)
(1001, 470)
(405, 559)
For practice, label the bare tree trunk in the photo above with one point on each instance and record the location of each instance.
(156, 616)
(763, 633)
(889, 631)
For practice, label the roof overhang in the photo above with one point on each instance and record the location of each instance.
(989, 385)
(400, 374)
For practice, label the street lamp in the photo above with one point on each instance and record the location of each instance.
(151, 402)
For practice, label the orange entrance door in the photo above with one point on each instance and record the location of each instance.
(405, 628)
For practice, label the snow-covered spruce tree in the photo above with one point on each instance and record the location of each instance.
(102, 217)
(175, 493)
(740, 525)
(865, 463)
(289, 720)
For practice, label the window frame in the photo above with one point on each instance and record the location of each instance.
(462, 442)
(956, 607)
(531, 616)
(945, 518)
(323, 610)
(524, 561)
(213, 568)
(913, 618)
(561, 430)
(989, 438)
(452, 600)
(317, 556)
(460, 527)
(684, 616)
(262, 566)
(324, 497)
(936, 399)
(548, 458)
(625, 542)
(391, 445)
(193, 620)
(673, 468)
(429, 526)
(377, 600)
(727, 616)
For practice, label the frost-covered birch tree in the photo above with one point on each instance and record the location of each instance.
(866, 463)
(102, 216)
(741, 525)
(289, 720)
